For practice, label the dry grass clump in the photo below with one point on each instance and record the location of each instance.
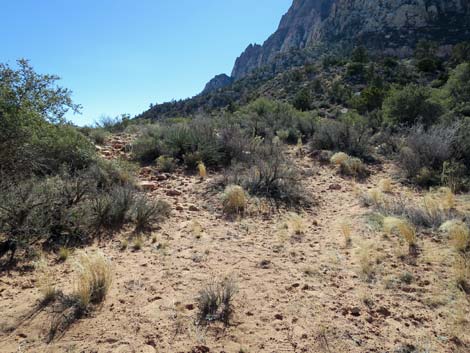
(346, 231)
(296, 224)
(458, 233)
(354, 167)
(462, 271)
(93, 280)
(64, 254)
(339, 158)
(215, 302)
(137, 244)
(234, 199)
(202, 170)
(196, 229)
(373, 197)
(403, 228)
(47, 285)
(385, 185)
(367, 260)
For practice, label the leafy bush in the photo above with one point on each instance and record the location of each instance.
(410, 105)
(457, 89)
(371, 98)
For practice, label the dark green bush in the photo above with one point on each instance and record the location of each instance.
(410, 105)
(370, 99)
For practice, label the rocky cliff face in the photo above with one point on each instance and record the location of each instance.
(387, 25)
(218, 82)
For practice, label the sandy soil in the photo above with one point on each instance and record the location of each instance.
(295, 293)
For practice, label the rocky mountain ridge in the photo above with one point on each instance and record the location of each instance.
(392, 26)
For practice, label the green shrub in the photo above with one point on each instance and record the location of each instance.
(457, 89)
(371, 98)
(354, 167)
(98, 136)
(425, 151)
(410, 105)
(146, 213)
(350, 134)
(166, 164)
(110, 211)
(269, 173)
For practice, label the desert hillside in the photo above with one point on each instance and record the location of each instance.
(316, 200)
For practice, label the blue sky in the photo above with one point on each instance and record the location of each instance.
(118, 56)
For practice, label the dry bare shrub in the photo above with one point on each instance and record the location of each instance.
(234, 199)
(404, 229)
(215, 302)
(339, 158)
(458, 232)
(93, 280)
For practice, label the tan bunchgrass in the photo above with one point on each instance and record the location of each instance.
(46, 284)
(376, 196)
(196, 229)
(234, 199)
(458, 232)
(346, 231)
(442, 200)
(385, 185)
(446, 197)
(138, 243)
(64, 253)
(462, 271)
(367, 259)
(296, 223)
(339, 158)
(403, 228)
(94, 277)
(202, 170)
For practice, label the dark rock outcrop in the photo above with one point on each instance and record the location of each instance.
(218, 82)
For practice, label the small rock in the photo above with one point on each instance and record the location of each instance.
(334, 187)
(148, 186)
(356, 311)
(193, 208)
(279, 317)
(173, 193)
